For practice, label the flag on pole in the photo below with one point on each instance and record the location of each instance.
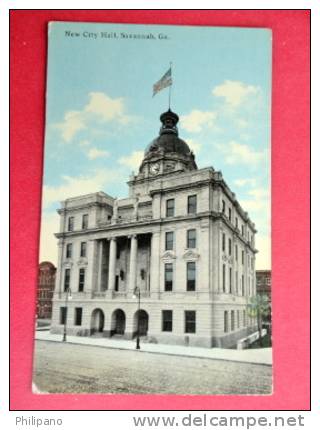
(164, 82)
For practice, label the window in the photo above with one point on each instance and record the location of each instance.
(191, 238)
(191, 276)
(232, 320)
(71, 223)
(244, 318)
(238, 319)
(230, 280)
(242, 230)
(226, 322)
(168, 276)
(69, 250)
(192, 204)
(78, 316)
(166, 320)
(236, 282)
(83, 249)
(169, 240)
(230, 246)
(190, 321)
(236, 252)
(236, 222)
(85, 219)
(66, 279)
(116, 286)
(252, 263)
(118, 251)
(242, 278)
(224, 278)
(82, 278)
(242, 257)
(229, 214)
(223, 242)
(63, 315)
(170, 207)
(223, 206)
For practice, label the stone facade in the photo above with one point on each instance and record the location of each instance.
(181, 239)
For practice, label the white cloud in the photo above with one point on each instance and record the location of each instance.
(101, 108)
(48, 242)
(194, 145)
(238, 153)
(263, 257)
(197, 120)
(258, 202)
(73, 122)
(106, 108)
(235, 93)
(244, 182)
(133, 160)
(95, 153)
(76, 186)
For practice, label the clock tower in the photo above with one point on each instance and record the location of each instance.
(167, 153)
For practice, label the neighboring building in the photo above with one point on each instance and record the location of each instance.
(46, 283)
(263, 280)
(181, 237)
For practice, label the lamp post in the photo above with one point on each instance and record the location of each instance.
(68, 296)
(135, 295)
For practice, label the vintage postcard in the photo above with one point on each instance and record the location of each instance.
(155, 266)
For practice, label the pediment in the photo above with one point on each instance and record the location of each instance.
(191, 255)
(168, 255)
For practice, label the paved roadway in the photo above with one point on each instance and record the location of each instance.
(70, 368)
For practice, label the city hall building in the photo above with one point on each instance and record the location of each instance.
(180, 241)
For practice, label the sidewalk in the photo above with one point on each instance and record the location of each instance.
(253, 356)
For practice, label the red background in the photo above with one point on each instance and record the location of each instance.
(290, 204)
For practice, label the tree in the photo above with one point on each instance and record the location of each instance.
(259, 308)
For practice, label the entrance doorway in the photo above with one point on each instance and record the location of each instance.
(97, 321)
(141, 322)
(118, 322)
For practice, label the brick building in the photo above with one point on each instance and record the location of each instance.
(46, 283)
(181, 239)
(263, 280)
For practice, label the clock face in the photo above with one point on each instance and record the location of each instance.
(154, 168)
(168, 167)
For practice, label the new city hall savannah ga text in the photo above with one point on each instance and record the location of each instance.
(181, 241)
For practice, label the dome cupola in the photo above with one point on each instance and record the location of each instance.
(167, 152)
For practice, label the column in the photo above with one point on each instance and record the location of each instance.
(133, 262)
(100, 255)
(112, 263)
(58, 288)
(155, 265)
(91, 272)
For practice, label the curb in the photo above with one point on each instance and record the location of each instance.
(155, 352)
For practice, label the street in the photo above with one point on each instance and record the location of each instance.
(71, 368)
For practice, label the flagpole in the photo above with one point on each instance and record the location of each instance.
(170, 86)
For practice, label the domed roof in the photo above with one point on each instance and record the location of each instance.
(168, 143)
(168, 140)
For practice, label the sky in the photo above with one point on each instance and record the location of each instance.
(101, 115)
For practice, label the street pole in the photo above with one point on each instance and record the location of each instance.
(138, 334)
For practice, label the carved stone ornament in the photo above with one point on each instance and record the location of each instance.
(224, 258)
(168, 255)
(191, 255)
(68, 263)
(82, 262)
